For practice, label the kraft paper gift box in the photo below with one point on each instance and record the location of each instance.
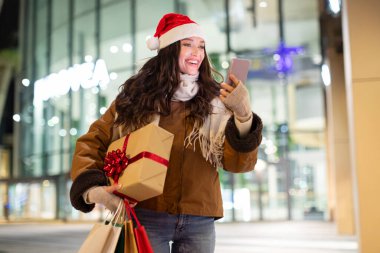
(148, 150)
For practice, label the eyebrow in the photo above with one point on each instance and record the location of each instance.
(202, 41)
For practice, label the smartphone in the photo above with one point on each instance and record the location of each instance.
(239, 67)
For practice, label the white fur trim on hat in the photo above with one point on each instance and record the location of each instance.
(179, 33)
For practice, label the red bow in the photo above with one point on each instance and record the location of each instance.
(115, 163)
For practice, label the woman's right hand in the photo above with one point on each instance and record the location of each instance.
(104, 195)
(113, 188)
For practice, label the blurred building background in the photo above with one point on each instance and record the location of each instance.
(62, 61)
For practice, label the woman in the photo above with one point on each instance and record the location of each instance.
(213, 127)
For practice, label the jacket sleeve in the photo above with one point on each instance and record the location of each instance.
(240, 154)
(87, 164)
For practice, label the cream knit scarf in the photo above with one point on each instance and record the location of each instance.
(211, 134)
(188, 88)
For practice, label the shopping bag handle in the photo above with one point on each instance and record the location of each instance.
(116, 216)
(131, 213)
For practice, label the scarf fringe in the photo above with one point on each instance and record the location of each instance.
(212, 149)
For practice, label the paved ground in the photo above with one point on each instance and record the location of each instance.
(265, 237)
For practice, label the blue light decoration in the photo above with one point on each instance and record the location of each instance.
(283, 57)
(275, 63)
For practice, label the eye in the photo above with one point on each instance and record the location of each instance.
(186, 44)
(202, 47)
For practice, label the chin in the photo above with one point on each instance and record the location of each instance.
(192, 72)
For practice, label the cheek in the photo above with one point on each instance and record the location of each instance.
(202, 56)
(184, 53)
(181, 59)
(181, 67)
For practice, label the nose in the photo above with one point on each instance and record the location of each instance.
(195, 51)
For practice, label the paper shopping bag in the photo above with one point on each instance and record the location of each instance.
(120, 246)
(112, 240)
(142, 240)
(130, 241)
(103, 237)
(97, 239)
(127, 242)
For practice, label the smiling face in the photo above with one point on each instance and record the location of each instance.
(191, 55)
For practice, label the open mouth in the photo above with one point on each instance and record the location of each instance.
(192, 62)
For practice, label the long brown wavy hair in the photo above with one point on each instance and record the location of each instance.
(150, 90)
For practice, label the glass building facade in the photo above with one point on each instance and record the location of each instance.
(76, 54)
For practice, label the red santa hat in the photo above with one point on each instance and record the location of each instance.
(171, 28)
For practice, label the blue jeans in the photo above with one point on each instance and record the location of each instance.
(178, 233)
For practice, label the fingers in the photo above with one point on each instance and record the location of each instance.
(227, 88)
(115, 199)
(113, 203)
(234, 82)
(112, 188)
(225, 91)
(234, 79)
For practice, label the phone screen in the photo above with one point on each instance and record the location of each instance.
(239, 67)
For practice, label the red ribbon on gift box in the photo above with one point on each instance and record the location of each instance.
(117, 161)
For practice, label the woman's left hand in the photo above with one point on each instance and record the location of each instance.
(236, 98)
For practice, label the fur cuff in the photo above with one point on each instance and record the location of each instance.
(251, 141)
(82, 183)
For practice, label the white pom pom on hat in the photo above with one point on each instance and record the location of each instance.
(152, 43)
(173, 27)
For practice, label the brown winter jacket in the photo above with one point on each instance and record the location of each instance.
(192, 184)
